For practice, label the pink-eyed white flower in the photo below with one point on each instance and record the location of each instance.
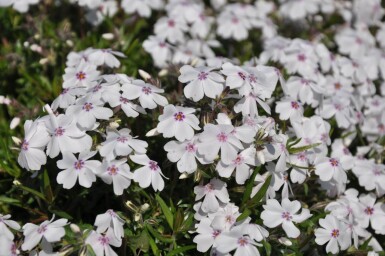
(289, 109)
(274, 214)
(159, 49)
(67, 97)
(231, 25)
(330, 168)
(50, 230)
(142, 7)
(21, 6)
(84, 75)
(241, 164)
(8, 247)
(80, 168)
(110, 220)
(129, 108)
(36, 137)
(171, 29)
(185, 154)
(201, 81)
(372, 212)
(106, 57)
(5, 222)
(370, 175)
(116, 172)
(100, 243)
(179, 122)
(333, 232)
(207, 235)
(147, 94)
(213, 192)
(149, 174)
(121, 143)
(86, 112)
(225, 218)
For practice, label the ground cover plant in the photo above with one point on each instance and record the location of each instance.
(191, 127)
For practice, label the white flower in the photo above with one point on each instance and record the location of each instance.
(8, 247)
(50, 231)
(179, 122)
(171, 29)
(212, 192)
(238, 240)
(289, 108)
(5, 222)
(77, 168)
(101, 243)
(66, 136)
(121, 143)
(21, 6)
(184, 153)
(274, 214)
(142, 7)
(147, 94)
(67, 97)
(334, 233)
(149, 174)
(159, 50)
(86, 112)
(110, 220)
(372, 212)
(116, 172)
(201, 81)
(370, 175)
(128, 107)
(107, 57)
(330, 168)
(231, 25)
(206, 235)
(84, 75)
(225, 218)
(31, 156)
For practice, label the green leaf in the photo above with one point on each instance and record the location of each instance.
(181, 249)
(32, 191)
(249, 186)
(261, 193)
(246, 213)
(12, 201)
(166, 211)
(140, 242)
(90, 251)
(178, 221)
(301, 149)
(157, 235)
(47, 186)
(152, 243)
(267, 247)
(62, 214)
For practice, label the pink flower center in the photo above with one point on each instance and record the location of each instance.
(381, 128)
(216, 233)
(302, 157)
(64, 91)
(235, 20)
(146, 90)
(78, 165)
(190, 147)
(369, 210)
(377, 172)
(81, 75)
(286, 216)
(229, 219)
(87, 106)
(179, 116)
(294, 105)
(301, 57)
(238, 160)
(122, 139)
(335, 233)
(123, 100)
(171, 23)
(334, 162)
(42, 229)
(112, 170)
(252, 78)
(104, 240)
(242, 75)
(112, 213)
(162, 44)
(24, 145)
(222, 137)
(59, 131)
(153, 165)
(337, 86)
(243, 241)
(203, 75)
(209, 187)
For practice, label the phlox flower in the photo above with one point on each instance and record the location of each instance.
(83, 75)
(185, 154)
(77, 168)
(8, 247)
(149, 174)
(289, 109)
(142, 7)
(207, 235)
(65, 136)
(110, 220)
(231, 25)
(129, 108)
(372, 212)
(171, 29)
(146, 93)
(5, 222)
(67, 97)
(159, 49)
(330, 168)
(21, 6)
(86, 112)
(179, 122)
(333, 232)
(225, 218)
(201, 81)
(274, 214)
(213, 192)
(370, 175)
(121, 143)
(106, 56)
(51, 231)
(36, 137)
(116, 172)
(100, 243)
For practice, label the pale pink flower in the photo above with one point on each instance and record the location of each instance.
(213, 192)
(100, 243)
(84, 75)
(147, 94)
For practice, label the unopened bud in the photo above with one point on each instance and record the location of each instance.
(144, 207)
(163, 72)
(16, 140)
(108, 36)
(285, 241)
(146, 76)
(75, 228)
